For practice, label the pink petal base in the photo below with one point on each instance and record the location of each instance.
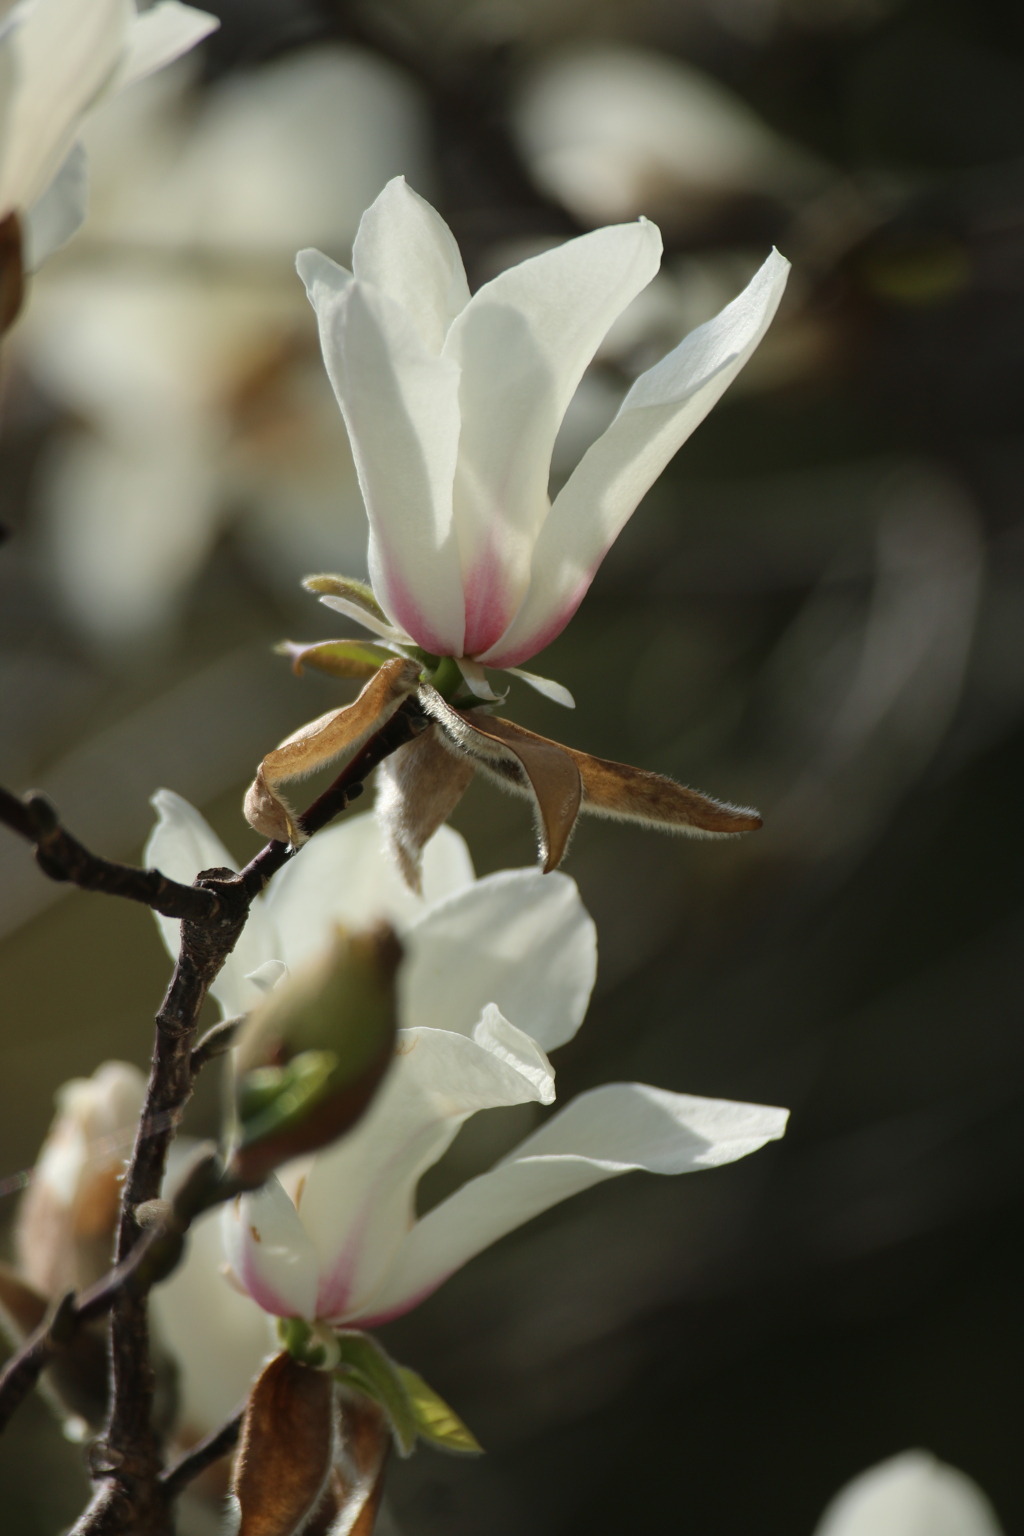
(515, 655)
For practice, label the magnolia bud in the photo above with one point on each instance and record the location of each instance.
(312, 1053)
(68, 1215)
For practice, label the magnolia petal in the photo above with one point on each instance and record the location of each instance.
(418, 787)
(475, 679)
(339, 733)
(345, 876)
(401, 408)
(612, 1130)
(910, 1495)
(356, 1202)
(545, 685)
(355, 611)
(58, 214)
(218, 1335)
(520, 939)
(530, 765)
(158, 37)
(663, 407)
(405, 248)
(509, 1044)
(286, 1450)
(522, 344)
(64, 53)
(352, 590)
(181, 844)
(269, 1251)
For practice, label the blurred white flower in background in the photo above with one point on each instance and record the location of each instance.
(613, 132)
(64, 1233)
(911, 1495)
(178, 335)
(58, 60)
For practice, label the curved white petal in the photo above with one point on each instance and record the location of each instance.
(64, 53)
(401, 408)
(405, 248)
(270, 1253)
(545, 685)
(356, 1201)
(344, 875)
(657, 416)
(158, 37)
(366, 619)
(520, 939)
(218, 1337)
(180, 845)
(522, 344)
(58, 214)
(518, 1050)
(611, 1130)
(911, 1495)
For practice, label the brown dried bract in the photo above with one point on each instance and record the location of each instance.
(287, 1447)
(12, 275)
(338, 734)
(418, 787)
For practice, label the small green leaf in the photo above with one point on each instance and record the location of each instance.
(370, 1369)
(349, 588)
(435, 1421)
(338, 658)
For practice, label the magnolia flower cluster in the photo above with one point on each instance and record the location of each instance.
(498, 973)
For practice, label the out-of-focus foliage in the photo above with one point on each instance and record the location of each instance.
(818, 610)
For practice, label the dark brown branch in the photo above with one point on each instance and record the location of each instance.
(203, 1455)
(63, 857)
(130, 1493)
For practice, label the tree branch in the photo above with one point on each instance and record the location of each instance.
(203, 1455)
(63, 857)
(152, 1258)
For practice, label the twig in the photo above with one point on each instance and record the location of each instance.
(63, 857)
(203, 1455)
(131, 1493)
(215, 1043)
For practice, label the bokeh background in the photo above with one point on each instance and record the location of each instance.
(818, 610)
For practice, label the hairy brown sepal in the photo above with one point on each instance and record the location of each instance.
(339, 734)
(357, 1484)
(418, 787)
(520, 761)
(286, 1452)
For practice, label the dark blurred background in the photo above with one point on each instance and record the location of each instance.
(818, 610)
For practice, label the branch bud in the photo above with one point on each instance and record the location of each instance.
(311, 1055)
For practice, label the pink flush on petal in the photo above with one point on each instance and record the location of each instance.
(406, 612)
(489, 606)
(552, 627)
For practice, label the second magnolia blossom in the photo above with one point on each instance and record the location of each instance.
(498, 973)
(453, 403)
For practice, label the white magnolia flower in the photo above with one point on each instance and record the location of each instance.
(58, 60)
(498, 972)
(66, 1219)
(176, 336)
(611, 131)
(911, 1495)
(453, 404)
